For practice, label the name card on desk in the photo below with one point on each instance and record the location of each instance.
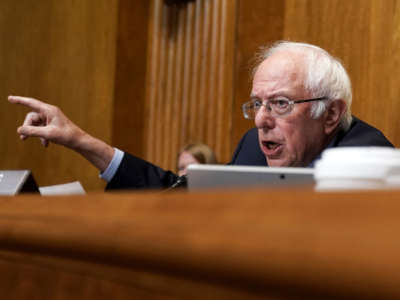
(13, 182)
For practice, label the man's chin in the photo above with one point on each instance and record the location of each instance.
(273, 162)
(284, 163)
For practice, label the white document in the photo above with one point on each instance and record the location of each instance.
(72, 188)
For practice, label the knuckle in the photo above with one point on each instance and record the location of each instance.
(53, 110)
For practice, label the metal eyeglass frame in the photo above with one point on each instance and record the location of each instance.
(249, 108)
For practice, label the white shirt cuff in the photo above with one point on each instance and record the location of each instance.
(112, 168)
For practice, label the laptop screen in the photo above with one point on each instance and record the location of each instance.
(13, 182)
(218, 176)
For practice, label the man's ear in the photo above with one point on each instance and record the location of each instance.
(333, 114)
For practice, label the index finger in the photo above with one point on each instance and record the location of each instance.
(35, 105)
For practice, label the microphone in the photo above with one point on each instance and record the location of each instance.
(180, 183)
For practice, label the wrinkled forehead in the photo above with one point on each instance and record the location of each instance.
(280, 71)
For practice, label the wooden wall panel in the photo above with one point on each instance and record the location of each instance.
(259, 23)
(63, 52)
(190, 78)
(150, 77)
(130, 76)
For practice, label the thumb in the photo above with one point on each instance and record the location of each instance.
(33, 131)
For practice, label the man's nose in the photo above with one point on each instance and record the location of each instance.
(264, 119)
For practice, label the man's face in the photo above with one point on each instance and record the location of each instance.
(294, 139)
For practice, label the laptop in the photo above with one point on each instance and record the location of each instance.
(218, 176)
(13, 182)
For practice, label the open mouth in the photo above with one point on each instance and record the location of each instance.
(271, 148)
(271, 145)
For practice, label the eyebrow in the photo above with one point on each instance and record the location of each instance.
(253, 96)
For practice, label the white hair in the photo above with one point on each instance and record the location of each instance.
(325, 76)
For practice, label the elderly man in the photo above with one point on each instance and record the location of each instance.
(300, 101)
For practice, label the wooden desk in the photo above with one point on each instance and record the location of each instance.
(243, 244)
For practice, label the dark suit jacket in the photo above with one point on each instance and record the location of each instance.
(135, 173)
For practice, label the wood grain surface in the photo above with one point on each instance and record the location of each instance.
(238, 244)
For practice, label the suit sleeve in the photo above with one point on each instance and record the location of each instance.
(136, 173)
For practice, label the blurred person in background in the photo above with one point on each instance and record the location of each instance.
(196, 153)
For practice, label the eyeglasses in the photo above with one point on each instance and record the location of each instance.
(277, 107)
